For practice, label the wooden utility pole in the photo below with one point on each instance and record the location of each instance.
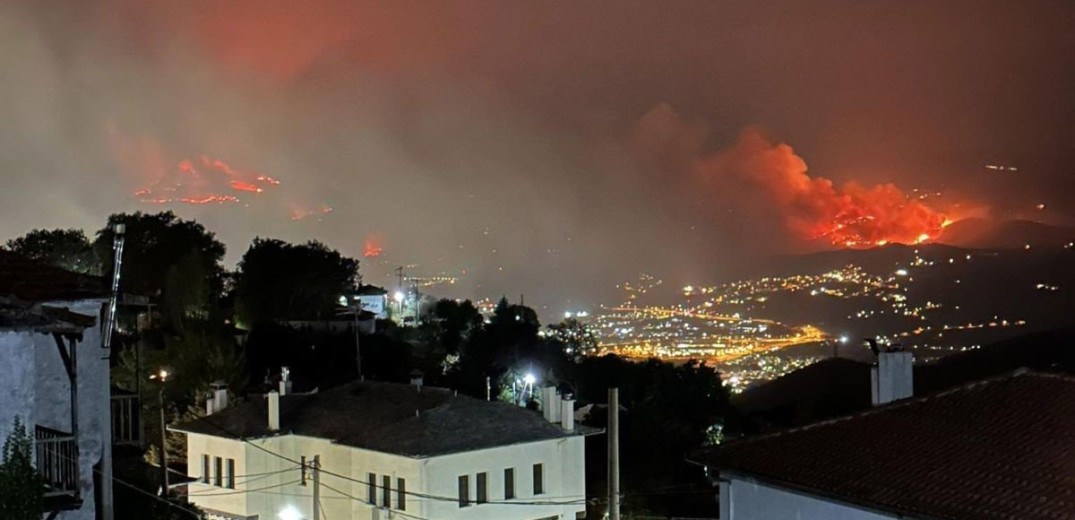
(614, 454)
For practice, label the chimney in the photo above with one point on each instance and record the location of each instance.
(892, 378)
(285, 381)
(567, 413)
(416, 378)
(274, 410)
(219, 397)
(551, 401)
(209, 405)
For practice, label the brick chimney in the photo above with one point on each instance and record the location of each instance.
(550, 401)
(218, 397)
(274, 410)
(892, 378)
(567, 413)
(285, 381)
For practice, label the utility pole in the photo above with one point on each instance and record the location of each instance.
(614, 453)
(399, 290)
(358, 344)
(316, 469)
(164, 433)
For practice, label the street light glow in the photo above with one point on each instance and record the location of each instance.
(289, 513)
(529, 379)
(398, 296)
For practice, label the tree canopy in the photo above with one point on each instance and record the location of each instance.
(164, 256)
(65, 248)
(281, 281)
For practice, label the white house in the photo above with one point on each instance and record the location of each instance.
(386, 451)
(54, 377)
(999, 448)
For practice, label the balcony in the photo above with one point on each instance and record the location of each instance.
(126, 418)
(56, 455)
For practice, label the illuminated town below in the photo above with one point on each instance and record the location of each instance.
(755, 330)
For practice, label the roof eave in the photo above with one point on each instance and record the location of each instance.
(810, 491)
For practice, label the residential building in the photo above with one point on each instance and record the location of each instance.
(386, 450)
(372, 299)
(54, 377)
(997, 448)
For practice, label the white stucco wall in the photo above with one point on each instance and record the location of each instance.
(34, 385)
(746, 499)
(17, 388)
(563, 461)
(564, 479)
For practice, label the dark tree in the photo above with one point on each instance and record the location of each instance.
(454, 323)
(177, 261)
(65, 248)
(669, 410)
(574, 337)
(281, 281)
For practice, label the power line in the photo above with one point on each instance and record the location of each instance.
(115, 479)
(356, 499)
(241, 491)
(582, 499)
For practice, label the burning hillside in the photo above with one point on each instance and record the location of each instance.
(207, 181)
(815, 208)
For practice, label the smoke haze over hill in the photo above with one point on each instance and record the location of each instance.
(550, 150)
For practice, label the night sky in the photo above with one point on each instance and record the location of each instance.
(550, 149)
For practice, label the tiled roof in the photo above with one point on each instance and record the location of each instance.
(999, 448)
(31, 281)
(388, 417)
(25, 286)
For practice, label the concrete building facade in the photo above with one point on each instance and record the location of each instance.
(54, 377)
(386, 451)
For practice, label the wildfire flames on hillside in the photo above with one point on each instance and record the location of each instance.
(207, 181)
(815, 208)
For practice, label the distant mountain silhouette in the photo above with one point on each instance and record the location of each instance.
(1005, 234)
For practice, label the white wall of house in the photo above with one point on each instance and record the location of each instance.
(34, 386)
(744, 498)
(17, 386)
(563, 461)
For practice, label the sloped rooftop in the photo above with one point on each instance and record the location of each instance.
(388, 417)
(999, 448)
(26, 286)
(27, 280)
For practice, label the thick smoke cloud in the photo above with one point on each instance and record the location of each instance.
(521, 147)
(766, 183)
(814, 208)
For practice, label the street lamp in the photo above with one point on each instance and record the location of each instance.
(162, 376)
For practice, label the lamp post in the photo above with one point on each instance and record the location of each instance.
(162, 376)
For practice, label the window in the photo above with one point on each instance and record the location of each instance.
(539, 479)
(509, 483)
(401, 494)
(464, 491)
(371, 488)
(205, 469)
(218, 471)
(481, 483)
(229, 476)
(386, 491)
